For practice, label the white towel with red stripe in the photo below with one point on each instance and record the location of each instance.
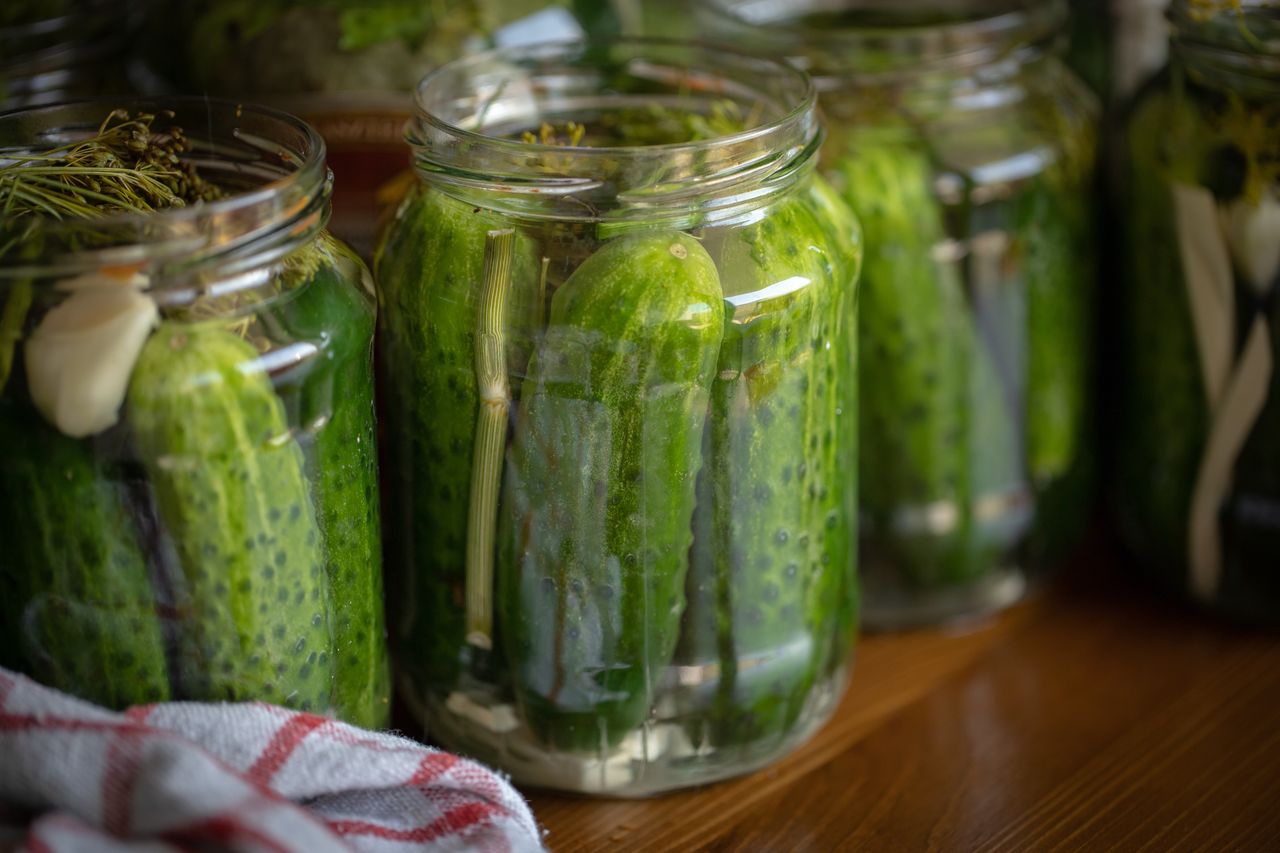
(246, 777)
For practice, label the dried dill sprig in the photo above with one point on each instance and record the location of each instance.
(127, 166)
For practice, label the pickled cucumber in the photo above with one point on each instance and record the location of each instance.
(429, 275)
(1058, 276)
(75, 590)
(936, 426)
(1165, 417)
(845, 235)
(230, 489)
(773, 546)
(336, 405)
(599, 486)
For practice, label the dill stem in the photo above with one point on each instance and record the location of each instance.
(491, 433)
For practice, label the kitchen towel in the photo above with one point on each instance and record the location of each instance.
(240, 777)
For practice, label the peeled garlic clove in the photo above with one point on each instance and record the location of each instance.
(1253, 232)
(79, 358)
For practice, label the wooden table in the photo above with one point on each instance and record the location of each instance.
(1095, 716)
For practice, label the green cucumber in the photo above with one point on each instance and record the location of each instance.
(1164, 422)
(845, 234)
(429, 277)
(231, 491)
(334, 312)
(773, 544)
(1058, 275)
(935, 427)
(600, 486)
(1055, 273)
(75, 589)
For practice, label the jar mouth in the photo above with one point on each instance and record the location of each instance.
(271, 164)
(831, 38)
(750, 120)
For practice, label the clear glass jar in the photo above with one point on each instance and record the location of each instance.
(964, 146)
(188, 490)
(1197, 486)
(617, 349)
(349, 70)
(53, 50)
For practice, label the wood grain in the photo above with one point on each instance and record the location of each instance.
(1094, 717)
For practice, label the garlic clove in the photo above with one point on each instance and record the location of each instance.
(80, 356)
(1253, 232)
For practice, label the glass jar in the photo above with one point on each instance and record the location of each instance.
(1197, 485)
(964, 146)
(52, 50)
(617, 348)
(188, 490)
(349, 69)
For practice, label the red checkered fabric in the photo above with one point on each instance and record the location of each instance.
(246, 777)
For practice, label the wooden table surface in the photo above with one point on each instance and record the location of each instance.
(1095, 716)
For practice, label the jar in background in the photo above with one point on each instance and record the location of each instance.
(54, 50)
(1197, 485)
(349, 70)
(965, 147)
(617, 344)
(212, 532)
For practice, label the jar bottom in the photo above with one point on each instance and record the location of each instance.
(892, 603)
(667, 753)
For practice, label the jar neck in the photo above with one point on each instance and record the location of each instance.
(675, 133)
(43, 59)
(1231, 46)
(949, 44)
(270, 164)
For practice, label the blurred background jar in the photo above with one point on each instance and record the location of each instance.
(1197, 484)
(56, 50)
(348, 67)
(965, 147)
(618, 328)
(188, 489)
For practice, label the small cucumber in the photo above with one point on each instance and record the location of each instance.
(335, 313)
(429, 276)
(845, 235)
(600, 486)
(1164, 417)
(75, 590)
(1056, 274)
(231, 492)
(773, 548)
(936, 430)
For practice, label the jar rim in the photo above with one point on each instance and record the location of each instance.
(281, 156)
(1239, 42)
(460, 107)
(969, 37)
(805, 100)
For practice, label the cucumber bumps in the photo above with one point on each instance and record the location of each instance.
(936, 433)
(600, 486)
(773, 558)
(75, 588)
(231, 492)
(429, 277)
(336, 407)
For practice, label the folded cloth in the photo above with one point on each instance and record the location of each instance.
(242, 777)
